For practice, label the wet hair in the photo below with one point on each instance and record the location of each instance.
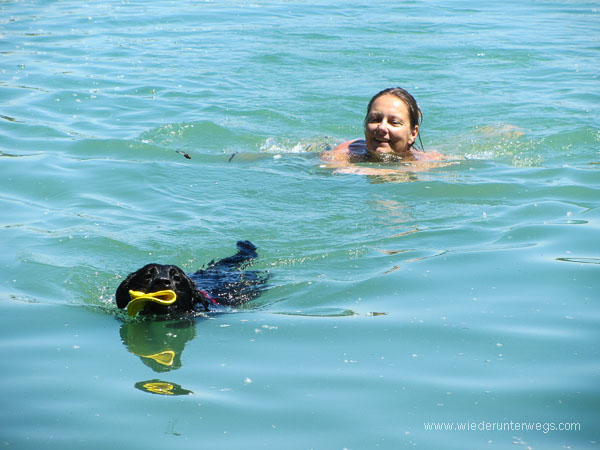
(414, 112)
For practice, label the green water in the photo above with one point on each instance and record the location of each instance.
(467, 294)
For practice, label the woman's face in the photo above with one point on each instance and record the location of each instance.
(387, 126)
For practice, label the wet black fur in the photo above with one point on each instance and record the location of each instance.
(225, 281)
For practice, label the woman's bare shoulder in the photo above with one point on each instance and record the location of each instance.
(348, 151)
(428, 156)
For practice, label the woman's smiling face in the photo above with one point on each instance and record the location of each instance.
(388, 128)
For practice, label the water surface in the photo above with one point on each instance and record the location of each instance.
(464, 294)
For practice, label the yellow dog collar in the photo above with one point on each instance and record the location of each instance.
(140, 299)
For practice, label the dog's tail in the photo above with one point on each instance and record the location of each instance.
(246, 253)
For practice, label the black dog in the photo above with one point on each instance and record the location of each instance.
(221, 284)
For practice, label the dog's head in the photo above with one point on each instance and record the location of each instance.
(153, 278)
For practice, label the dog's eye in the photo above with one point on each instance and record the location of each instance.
(175, 276)
(148, 274)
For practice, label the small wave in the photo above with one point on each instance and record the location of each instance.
(320, 312)
(580, 260)
(311, 145)
(198, 136)
(500, 141)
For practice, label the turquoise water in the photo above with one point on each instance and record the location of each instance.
(464, 294)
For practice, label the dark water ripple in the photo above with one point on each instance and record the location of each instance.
(464, 293)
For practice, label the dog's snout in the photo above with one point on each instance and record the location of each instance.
(162, 283)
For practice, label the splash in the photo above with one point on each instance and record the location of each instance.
(503, 141)
(310, 145)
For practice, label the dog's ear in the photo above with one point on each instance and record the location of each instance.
(196, 295)
(200, 298)
(122, 295)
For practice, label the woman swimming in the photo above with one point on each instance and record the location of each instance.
(391, 129)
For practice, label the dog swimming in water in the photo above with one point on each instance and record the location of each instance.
(165, 290)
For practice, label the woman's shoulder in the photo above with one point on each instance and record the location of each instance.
(427, 156)
(346, 151)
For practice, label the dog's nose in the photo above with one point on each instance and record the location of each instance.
(162, 283)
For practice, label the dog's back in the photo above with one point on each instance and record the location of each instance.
(227, 282)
